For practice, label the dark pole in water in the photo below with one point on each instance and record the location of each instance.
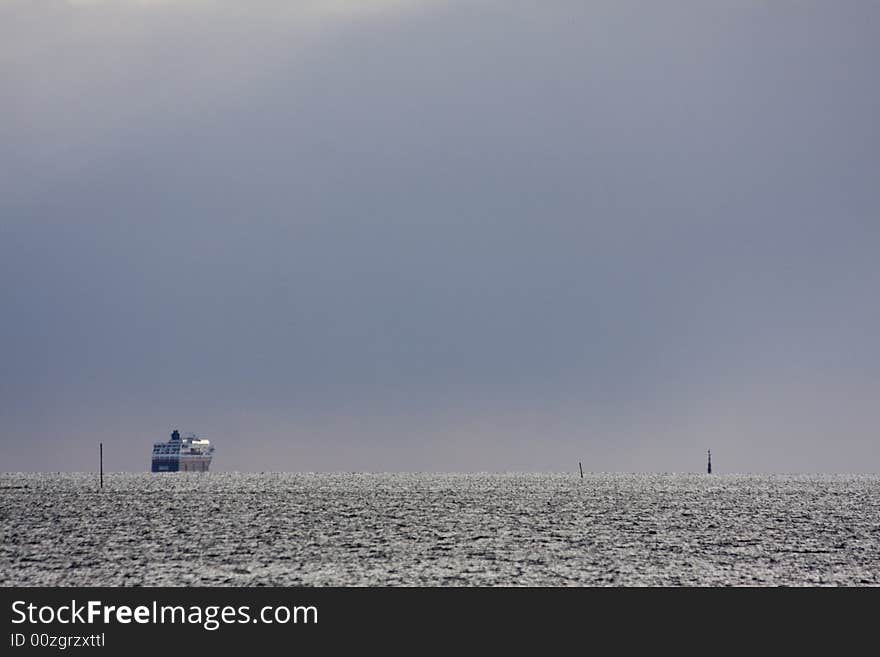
(582, 469)
(709, 466)
(101, 462)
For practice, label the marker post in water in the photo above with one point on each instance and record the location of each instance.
(101, 462)
(580, 465)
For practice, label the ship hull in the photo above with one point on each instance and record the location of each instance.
(166, 465)
(182, 464)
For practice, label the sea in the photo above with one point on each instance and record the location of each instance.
(428, 529)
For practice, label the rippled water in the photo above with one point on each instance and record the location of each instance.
(436, 529)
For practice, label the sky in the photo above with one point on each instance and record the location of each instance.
(401, 235)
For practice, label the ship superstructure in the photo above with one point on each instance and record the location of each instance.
(187, 453)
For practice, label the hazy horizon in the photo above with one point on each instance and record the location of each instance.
(424, 235)
(574, 473)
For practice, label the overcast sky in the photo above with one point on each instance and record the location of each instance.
(439, 235)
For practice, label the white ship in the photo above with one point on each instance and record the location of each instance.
(183, 454)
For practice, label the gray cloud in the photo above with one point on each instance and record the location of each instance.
(440, 235)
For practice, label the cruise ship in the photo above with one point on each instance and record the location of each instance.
(182, 454)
